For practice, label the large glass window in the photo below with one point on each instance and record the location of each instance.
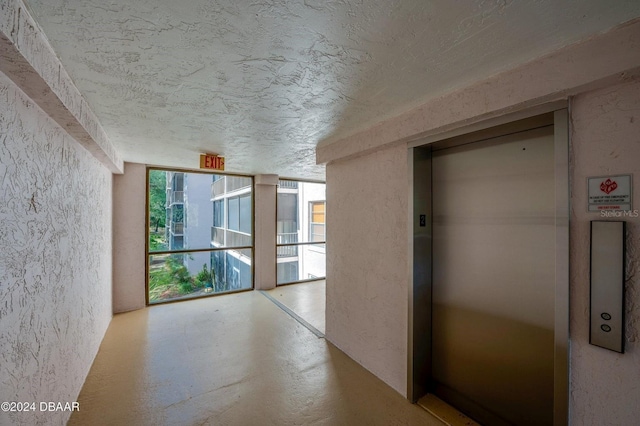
(200, 234)
(300, 231)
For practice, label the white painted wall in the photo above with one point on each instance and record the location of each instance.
(367, 231)
(55, 258)
(605, 386)
(129, 221)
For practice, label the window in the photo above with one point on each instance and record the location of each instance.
(240, 214)
(218, 213)
(316, 230)
(213, 254)
(288, 272)
(288, 217)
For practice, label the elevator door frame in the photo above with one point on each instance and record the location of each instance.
(420, 245)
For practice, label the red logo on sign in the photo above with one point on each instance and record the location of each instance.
(608, 186)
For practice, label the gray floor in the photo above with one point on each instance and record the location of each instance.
(233, 360)
(306, 301)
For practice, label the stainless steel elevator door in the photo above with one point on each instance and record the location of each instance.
(493, 278)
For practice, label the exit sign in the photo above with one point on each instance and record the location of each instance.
(211, 162)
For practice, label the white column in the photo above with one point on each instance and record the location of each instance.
(264, 259)
(129, 222)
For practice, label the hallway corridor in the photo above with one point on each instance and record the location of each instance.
(231, 360)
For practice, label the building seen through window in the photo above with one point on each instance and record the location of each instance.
(300, 231)
(206, 244)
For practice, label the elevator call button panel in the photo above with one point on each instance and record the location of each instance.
(607, 284)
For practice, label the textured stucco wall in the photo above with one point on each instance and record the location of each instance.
(55, 258)
(129, 204)
(605, 386)
(26, 57)
(367, 228)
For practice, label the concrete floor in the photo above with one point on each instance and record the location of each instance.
(307, 300)
(232, 360)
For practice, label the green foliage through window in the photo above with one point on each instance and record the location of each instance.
(157, 198)
(169, 278)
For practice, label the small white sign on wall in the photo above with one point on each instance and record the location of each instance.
(610, 193)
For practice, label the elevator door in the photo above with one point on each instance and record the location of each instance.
(493, 278)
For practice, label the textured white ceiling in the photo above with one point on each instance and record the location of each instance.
(264, 81)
